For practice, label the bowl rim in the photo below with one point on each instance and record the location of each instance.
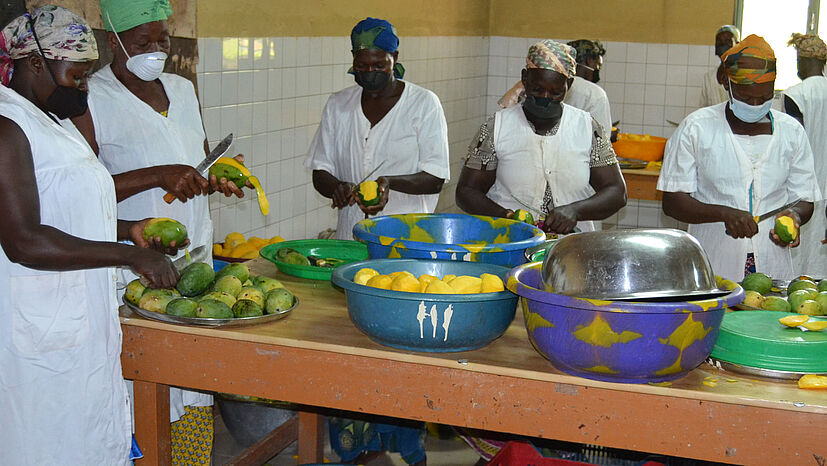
(516, 285)
(361, 233)
(338, 278)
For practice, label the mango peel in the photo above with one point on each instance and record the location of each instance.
(234, 171)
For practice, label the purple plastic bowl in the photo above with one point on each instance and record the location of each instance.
(619, 341)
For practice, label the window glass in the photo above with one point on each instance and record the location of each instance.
(776, 25)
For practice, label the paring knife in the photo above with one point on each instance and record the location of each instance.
(356, 186)
(774, 212)
(204, 167)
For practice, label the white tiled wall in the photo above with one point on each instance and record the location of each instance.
(270, 92)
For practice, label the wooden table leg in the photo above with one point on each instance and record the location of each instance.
(152, 422)
(311, 438)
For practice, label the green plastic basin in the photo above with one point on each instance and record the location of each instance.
(347, 251)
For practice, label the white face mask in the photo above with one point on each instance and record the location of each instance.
(146, 66)
(746, 112)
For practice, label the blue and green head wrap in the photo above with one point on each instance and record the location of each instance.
(122, 15)
(377, 34)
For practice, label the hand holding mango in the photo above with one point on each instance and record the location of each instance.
(225, 186)
(785, 232)
(234, 172)
(372, 196)
(163, 234)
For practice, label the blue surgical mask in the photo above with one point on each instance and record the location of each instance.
(746, 112)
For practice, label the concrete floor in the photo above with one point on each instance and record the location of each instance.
(451, 452)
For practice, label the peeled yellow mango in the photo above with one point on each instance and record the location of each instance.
(812, 381)
(439, 287)
(363, 275)
(465, 284)
(380, 281)
(403, 282)
(491, 283)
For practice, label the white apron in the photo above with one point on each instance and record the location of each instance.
(130, 136)
(810, 258)
(527, 161)
(62, 395)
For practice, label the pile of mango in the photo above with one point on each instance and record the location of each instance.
(448, 284)
(238, 247)
(200, 292)
(803, 295)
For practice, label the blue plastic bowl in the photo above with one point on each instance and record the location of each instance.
(457, 237)
(423, 321)
(619, 341)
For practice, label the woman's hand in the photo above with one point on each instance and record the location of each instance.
(182, 181)
(561, 220)
(797, 221)
(225, 187)
(738, 223)
(136, 235)
(343, 195)
(383, 191)
(155, 267)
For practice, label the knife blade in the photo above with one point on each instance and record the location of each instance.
(204, 167)
(186, 259)
(774, 212)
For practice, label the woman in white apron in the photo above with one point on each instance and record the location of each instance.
(727, 163)
(543, 156)
(61, 387)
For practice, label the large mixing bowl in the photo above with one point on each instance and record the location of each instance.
(423, 321)
(630, 264)
(619, 341)
(456, 237)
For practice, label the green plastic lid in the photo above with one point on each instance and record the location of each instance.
(757, 339)
(347, 251)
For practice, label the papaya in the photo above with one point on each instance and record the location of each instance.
(235, 172)
(237, 269)
(785, 229)
(168, 229)
(247, 308)
(182, 307)
(523, 216)
(368, 192)
(195, 279)
(134, 290)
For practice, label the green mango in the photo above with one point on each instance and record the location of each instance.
(228, 284)
(775, 303)
(222, 296)
(168, 229)
(156, 300)
(785, 229)
(523, 216)
(267, 284)
(804, 284)
(296, 258)
(232, 174)
(247, 308)
(253, 294)
(278, 300)
(757, 282)
(822, 285)
(810, 308)
(134, 290)
(797, 297)
(182, 307)
(236, 269)
(213, 309)
(195, 279)
(821, 299)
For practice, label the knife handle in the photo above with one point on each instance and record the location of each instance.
(169, 198)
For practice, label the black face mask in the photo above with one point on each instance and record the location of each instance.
(372, 80)
(720, 49)
(64, 101)
(543, 108)
(595, 76)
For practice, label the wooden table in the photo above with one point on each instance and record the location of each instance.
(642, 184)
(317, 358)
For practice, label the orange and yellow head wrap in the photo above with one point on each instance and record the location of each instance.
(756, 48)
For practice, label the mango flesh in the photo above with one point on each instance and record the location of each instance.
(785, 229)
(403, 280)
(813, 381)
(167, 229)
(368, 193)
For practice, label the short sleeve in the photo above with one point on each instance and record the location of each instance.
(602, 153)
(321, 154)
(679, 172)
(432, 140)
(481, 154)
(802, 182)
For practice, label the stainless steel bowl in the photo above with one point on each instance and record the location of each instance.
(630, 265)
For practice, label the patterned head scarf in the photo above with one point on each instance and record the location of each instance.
(731, 29)
(63, 35)
(809, 46)
(587, 49)
(751, 47)
(123, 15)
(547, 55)
(377, 34)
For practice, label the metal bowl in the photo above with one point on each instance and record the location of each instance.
(664, 264)
(619, 341)
(457, 237)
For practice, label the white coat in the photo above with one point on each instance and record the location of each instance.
(590, 97)
(130, 136)
(62, 395)
(704, 159)
(810, 258)
(411, 137)
(527, 161)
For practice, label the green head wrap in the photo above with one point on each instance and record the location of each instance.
(122, 15)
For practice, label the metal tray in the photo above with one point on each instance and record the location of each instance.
(206, 322)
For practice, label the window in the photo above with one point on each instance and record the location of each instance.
(776, 21)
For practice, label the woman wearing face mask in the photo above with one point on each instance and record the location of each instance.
(62, 393)
(381, 120)
(543, 156)
(145, 126)
(739, 159)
